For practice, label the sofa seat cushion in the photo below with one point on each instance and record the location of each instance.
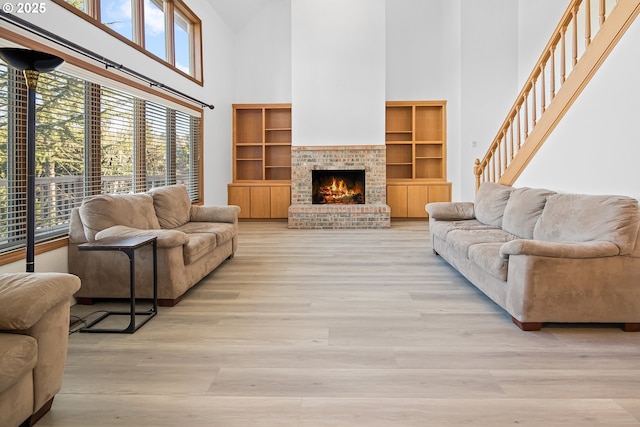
(223, 231)
(106, 210)
(461, 240)
(523, 210)
(490, 203)
(18, 356)
(487, 256)
(200, 244)
(442, 228)
(172, 205)
(586, 218)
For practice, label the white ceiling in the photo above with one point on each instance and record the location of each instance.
(237, 13)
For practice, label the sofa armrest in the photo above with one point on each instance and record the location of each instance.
(166, 238)
(594, 249)
(26, 297)
(215, 213)
(451, 211)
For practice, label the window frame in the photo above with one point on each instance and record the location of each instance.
(170, 7)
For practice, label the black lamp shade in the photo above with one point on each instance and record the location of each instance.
(25, 59)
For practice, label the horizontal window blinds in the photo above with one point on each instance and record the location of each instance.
(90, 139)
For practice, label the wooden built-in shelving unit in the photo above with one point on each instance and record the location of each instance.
(416, 156)
(261, 160)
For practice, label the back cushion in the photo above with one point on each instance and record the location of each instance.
(584, 218)
(490, 202)
(523, 210)
(106, 210)
(172, 205)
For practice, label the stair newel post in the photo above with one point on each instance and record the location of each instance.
(477, 171)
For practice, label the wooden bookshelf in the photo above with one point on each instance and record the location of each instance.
(261, 160)
(416, 156)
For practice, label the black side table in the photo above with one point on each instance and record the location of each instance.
(128, 245)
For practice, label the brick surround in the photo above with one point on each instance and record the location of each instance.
(372, 158)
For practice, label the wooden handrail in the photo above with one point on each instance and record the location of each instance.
(534, 115)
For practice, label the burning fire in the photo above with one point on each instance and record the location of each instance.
(336, 191)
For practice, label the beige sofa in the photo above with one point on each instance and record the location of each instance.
(544, 256)
(192, 242)
(34, 333)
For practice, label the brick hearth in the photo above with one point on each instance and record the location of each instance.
(372, 158)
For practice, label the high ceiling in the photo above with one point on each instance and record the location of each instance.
(236, 13)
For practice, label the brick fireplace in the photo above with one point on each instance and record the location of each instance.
(375, 213)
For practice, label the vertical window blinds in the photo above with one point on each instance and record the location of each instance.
(90, 139)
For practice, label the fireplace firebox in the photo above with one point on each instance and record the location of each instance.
(344, 187)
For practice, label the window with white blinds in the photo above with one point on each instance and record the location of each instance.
(90, 139)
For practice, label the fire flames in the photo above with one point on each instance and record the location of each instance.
(337, 192)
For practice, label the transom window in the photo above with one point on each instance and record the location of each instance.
(166, 29)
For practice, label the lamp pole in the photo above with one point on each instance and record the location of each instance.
(32, 63)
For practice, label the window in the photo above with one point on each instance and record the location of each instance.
(117, 141)
(156, 145)
(90, 139)
(166, 29)
(154, 31)
(117, 15)
(183, 49)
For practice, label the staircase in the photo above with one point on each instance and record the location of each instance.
(563, 70)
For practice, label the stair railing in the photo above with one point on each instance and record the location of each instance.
(560, 74)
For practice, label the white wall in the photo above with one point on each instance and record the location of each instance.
(415, 50)
(52, 261)
(338, 72)
(596, 147)
(263, 56)
(452, 63)
(219, 82)
(489, 70)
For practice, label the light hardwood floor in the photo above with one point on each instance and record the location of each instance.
(345, 328)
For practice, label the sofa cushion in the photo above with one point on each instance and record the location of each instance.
(172, 205)
(523, 210)
(26, 297)
(461, 240)
(487, 256)
(106, 210)
(585, 218)
(222, 230)
(18, 356)
(490, 202)
(450, 211)
(442, 228)
(200, 244)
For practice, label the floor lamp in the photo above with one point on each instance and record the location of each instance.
(31, 63)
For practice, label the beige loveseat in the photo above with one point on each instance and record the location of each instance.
(192, 242)
(34, 332)
(544, 256)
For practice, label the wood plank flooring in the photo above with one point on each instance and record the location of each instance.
(345, 328)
